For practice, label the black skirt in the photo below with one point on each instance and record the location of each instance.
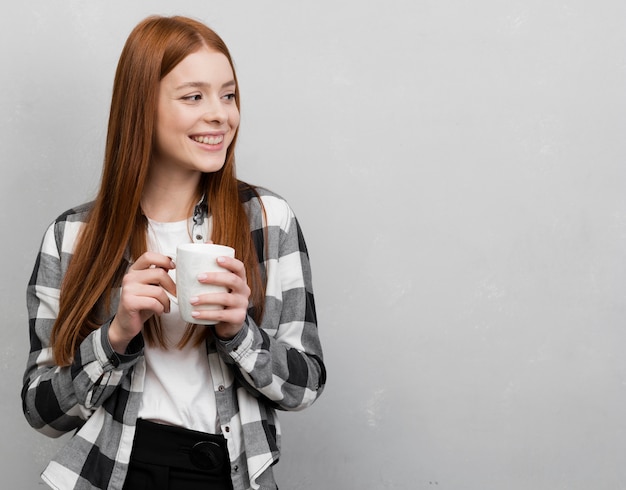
(171, 458)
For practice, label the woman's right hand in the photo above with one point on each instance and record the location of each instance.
(142, 295)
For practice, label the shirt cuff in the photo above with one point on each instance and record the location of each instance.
(239, 344)
(117, 360)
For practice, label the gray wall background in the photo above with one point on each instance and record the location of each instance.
(458, 168)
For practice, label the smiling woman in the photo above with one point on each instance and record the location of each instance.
(156, 402)
(197, 116)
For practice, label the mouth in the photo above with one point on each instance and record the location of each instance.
(209, 140)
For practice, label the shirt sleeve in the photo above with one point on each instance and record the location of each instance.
(281, 359)
(59, 399)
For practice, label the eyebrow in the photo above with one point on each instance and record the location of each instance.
(231, 83)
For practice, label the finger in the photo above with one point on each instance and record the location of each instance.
(234, 265)
(167, 283)
(154, 260)
(141, 304)
(228, 298)
(226, 319)
(153, 276)
(225, 279)
(145, 297)
(216, 299)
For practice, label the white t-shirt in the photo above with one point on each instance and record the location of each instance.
(178, 388)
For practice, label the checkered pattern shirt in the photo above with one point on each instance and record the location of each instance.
(275, 365)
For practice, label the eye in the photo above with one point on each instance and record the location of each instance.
(192, 98)
(232, 96)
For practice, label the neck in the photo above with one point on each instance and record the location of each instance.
(167, 200)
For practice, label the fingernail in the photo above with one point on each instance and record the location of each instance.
(221, 260)
(202, 277)
(195, 314)
(193, 300)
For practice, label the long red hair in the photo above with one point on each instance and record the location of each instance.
(116, 225)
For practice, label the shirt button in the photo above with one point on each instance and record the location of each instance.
(235, 468)
(226, 429)
(221, 388)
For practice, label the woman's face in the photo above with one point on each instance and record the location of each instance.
(197, 116)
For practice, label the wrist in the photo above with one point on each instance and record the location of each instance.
(225, 335)
(119, 342)
(230, 336)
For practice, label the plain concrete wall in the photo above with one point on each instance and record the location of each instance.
(459, 169)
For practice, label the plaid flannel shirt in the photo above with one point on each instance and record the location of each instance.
(275, 365)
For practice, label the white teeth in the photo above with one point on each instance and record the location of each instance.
(209, 140)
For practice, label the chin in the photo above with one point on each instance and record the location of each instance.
(211, 168)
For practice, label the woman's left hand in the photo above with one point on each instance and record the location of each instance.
(235, 301)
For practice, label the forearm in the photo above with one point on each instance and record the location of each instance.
(59, 399)
(287, 371)
(281, 359)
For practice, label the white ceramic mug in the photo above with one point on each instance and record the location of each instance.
(193, 259)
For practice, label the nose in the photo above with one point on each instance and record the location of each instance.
(214, 110)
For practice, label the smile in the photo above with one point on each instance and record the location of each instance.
(209, 140)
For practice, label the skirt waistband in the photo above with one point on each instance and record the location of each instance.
(180, 448)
